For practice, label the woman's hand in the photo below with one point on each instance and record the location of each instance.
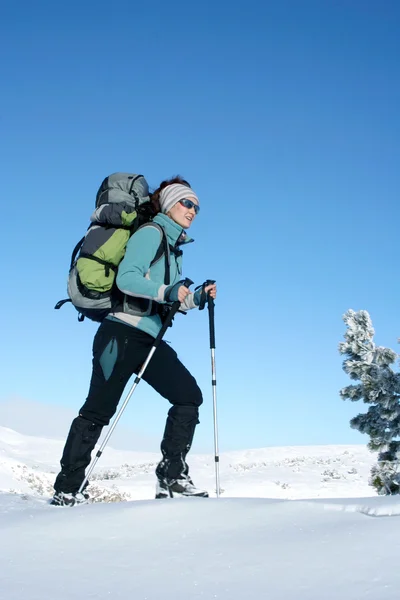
(177, 292)
(183, 291)
(199, 298)
(212, 290)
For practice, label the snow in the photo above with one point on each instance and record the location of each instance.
(292, 523)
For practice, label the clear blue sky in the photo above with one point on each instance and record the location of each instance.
(285, 118)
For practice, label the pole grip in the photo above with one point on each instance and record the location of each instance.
(211, 306)
(174, 309)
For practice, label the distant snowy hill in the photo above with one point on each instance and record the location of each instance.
(28, 465)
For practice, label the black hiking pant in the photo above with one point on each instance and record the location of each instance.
(119, 351)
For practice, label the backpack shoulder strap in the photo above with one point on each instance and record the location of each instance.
(163, 250)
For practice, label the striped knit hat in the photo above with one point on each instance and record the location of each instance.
(171, 194)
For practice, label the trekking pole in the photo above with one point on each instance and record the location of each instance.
(174, 309)
(211, 305)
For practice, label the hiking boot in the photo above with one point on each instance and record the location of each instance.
(63, 499)
(176, 488)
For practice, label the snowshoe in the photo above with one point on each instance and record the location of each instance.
(175, 488)
(64, 499)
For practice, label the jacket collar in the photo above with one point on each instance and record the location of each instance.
(175, 233)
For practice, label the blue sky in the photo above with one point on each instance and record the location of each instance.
(285, 118)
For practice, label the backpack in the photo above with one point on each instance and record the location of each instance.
(122, 206)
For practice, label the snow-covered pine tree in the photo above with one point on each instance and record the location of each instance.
(379, 387)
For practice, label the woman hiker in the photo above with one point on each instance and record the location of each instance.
(123, 342)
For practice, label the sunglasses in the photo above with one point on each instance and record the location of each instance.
(190, 204)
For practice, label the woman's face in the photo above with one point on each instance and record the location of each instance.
(184, 212)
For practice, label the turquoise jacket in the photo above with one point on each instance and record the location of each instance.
(138, 279)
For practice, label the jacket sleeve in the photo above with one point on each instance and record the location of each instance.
(188, 303)
(132, 277)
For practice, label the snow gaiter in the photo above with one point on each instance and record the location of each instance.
(177, 440)
(82, 438)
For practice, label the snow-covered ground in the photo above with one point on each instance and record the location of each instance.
(292, 523)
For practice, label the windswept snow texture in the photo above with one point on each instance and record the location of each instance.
(292, 523)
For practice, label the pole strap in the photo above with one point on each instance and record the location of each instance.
(203, 296)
